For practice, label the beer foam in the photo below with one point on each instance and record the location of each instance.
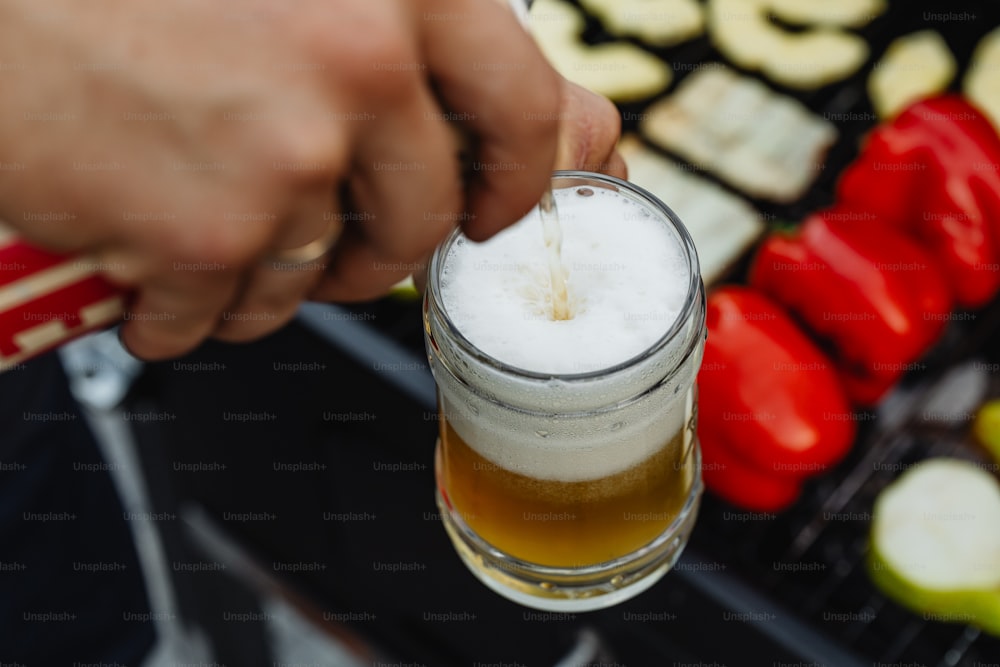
(627, 280)
(579, 448)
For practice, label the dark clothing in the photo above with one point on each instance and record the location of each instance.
(71, 588)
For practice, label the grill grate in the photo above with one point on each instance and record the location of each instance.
(811, 559)
(825, 535)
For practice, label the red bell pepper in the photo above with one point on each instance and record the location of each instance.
(934, 172)
(879, 298)
(771, 410)
(733, 480)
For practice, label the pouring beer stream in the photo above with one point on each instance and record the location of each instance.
(552, 233)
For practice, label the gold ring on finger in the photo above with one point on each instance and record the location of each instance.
(311, 251)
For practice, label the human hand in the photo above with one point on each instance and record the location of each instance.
(589, 129)
(183, 146)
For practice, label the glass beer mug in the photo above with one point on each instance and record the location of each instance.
(568, 467)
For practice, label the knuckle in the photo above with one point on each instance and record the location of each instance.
(232, 239)
(384, 68)
(244, 332)
(304, 154)
(607, 118)
(145, 342)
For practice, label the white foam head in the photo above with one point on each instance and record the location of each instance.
(630, 280)
(627, 280)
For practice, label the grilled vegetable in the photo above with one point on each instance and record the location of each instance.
(986, 427)
(655, 22)
(765, 144)
(723, 225)
(812, 58)
(914, 66)
(740, 484)
(771, 409)
(981, 84)
(844, 13)
(880, 299)
(405, 289)
(619, 70)
(934, 173)
(935, 543)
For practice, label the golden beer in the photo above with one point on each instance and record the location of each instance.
(568, 467)
(567, 524)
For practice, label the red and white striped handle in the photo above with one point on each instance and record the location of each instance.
(47, 299)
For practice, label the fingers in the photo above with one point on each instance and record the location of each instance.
(272, 288)
(359, 271)
(403, 181)
(173, 314)
(269, 300)
(589, 132)
(363, 268)
(490, 73)
(406, 180)
(407, 191)
(616, 166)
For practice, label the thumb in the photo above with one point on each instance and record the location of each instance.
(589, 129)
